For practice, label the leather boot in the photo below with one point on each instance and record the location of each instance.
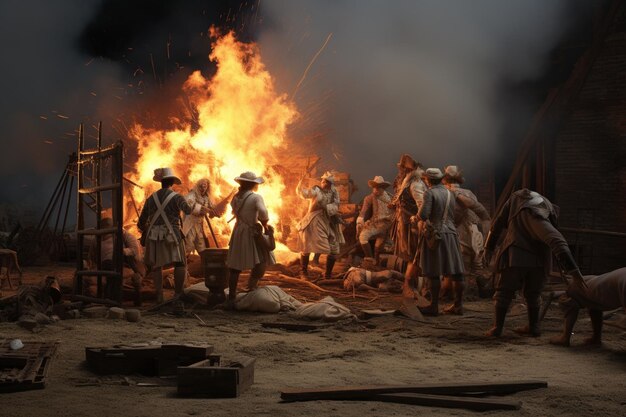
(158, 284)
(367, 250)
(316, 259)
(458, 288)
(433, 308)
(330, 263)
(532, 329)
(137, 286)
(180, 274)
(500, 315)
(304, 264)
(233, 279)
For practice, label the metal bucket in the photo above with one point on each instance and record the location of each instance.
(215, 269)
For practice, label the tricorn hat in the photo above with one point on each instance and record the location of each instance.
(453, 173)
(407, 161)
(249, 176)
(161, 174)
(328, 176)
(378, 181)
(434, 174)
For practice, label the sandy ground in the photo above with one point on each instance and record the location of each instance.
(383, 350)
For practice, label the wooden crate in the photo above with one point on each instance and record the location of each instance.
(26, 368)
(150, 360)
(215, 378)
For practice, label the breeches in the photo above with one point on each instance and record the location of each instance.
(530, 280)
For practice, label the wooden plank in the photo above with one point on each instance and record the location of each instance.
(447, 401)
(359, 392)
(296, 327)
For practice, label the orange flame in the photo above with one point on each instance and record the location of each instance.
(241, 126)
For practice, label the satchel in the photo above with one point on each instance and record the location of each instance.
(264, 239)
(432, 234)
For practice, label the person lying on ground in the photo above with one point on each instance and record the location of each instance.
(604, 292)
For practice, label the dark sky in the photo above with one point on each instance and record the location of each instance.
(442, 80)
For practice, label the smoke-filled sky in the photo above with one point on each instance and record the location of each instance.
(421, 77)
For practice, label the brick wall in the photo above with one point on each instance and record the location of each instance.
(589, 163)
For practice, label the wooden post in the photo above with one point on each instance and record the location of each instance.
(80, 221)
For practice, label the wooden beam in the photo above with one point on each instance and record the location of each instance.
(360, 392)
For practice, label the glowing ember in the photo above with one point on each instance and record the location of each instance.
(241, 126)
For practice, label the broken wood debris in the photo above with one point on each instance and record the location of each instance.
(27, 368)
(440, 395)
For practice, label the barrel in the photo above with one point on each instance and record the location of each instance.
(215, 269)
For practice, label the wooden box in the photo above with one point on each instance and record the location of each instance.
(215, 378)
(149, 360)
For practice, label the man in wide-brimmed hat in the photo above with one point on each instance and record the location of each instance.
(162, 236)
(193, 224)
(525, 255)
(375, 217)
(243, 250)
(408, 197)
(472, 222)
(318, 232)
(440, 256)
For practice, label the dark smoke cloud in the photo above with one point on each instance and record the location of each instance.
(418, 77)
(67, 62)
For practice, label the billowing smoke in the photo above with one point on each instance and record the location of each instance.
(405, 76)
(72, 62)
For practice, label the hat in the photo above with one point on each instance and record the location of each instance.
(453, 173)
(328, 176)
(249, 176)
(378, 181)
(407, 161)
(434, 174)
(161, 174)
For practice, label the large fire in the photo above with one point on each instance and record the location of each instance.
(241, 126)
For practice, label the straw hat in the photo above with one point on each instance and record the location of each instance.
(453, 173)
(378, 181)
(434, 174)
(249, 176)
(161, 174)
(328, 176)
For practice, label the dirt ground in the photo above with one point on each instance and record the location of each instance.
(382, 350)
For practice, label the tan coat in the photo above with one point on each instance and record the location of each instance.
(243, 253)
(316, 232)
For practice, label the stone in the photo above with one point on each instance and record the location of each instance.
(95, 312)
(133, 315)
(116, 313)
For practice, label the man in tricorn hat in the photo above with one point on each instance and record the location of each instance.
(160, 225)
(318, 231)
(441, 256)
(409, 195)
(375, 217)
(525, 254)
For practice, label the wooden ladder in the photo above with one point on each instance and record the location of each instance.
(90, 190)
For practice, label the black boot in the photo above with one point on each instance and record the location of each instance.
(304, 264)
(433, 308)
(330, 263)
(500, 315)
(532, 329)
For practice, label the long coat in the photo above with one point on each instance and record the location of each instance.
(243, 252)
(446, 258)
(316, 232)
